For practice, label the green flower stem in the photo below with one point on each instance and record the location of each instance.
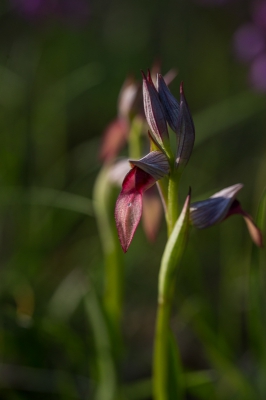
(113, 265)
(172, 201)
(134, 138)
(171, 258)
(161, 348)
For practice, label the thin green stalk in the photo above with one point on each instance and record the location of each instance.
(161, 352)
(161, 349)
(257, 302)
(113, 265)
(172, 201)
(134, 138)
(107, 380)
(172, 255)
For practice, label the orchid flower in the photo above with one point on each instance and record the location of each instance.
(130, 106)
(162, 109)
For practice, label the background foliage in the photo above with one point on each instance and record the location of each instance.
(60, 74)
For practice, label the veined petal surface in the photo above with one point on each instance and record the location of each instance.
(185, 131)
(214, 209)
(154, 111)
(155, 164)
(169, 103)
(128, 208)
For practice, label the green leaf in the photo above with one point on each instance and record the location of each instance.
(174, 250)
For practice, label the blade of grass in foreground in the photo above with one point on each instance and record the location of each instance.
(231, 381)
(228, 113)
(41, 196)
(257, 303)
(107, 381)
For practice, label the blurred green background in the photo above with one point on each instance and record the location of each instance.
(61, 70)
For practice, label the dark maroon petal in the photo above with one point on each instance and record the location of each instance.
(138, 180)
(128, 212)
(185, 131)
(254, 231)
(154, 112)
(169, 103)
(128, 207)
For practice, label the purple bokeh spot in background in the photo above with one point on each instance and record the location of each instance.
(213, 2)
(259, 14)
(257, 74)
(32, 8)
(249, 42)
(72, 11)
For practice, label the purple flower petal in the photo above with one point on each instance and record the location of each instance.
(154, 112)
(185, 131)
(213, 210)
(221, 206)
(169, 103)
(155, 164)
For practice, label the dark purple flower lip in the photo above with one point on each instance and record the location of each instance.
(128, 209)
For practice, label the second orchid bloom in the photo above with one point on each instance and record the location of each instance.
(165, 165)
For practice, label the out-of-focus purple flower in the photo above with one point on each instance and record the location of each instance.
(71, 11)
(212, 2)
(249, 41)
(259, 14)
(257, 75)
(250, 45)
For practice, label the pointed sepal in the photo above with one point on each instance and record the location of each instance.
(154, 113)
(169, 103)
(219, 207)
(185, 132)
(213, 210)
